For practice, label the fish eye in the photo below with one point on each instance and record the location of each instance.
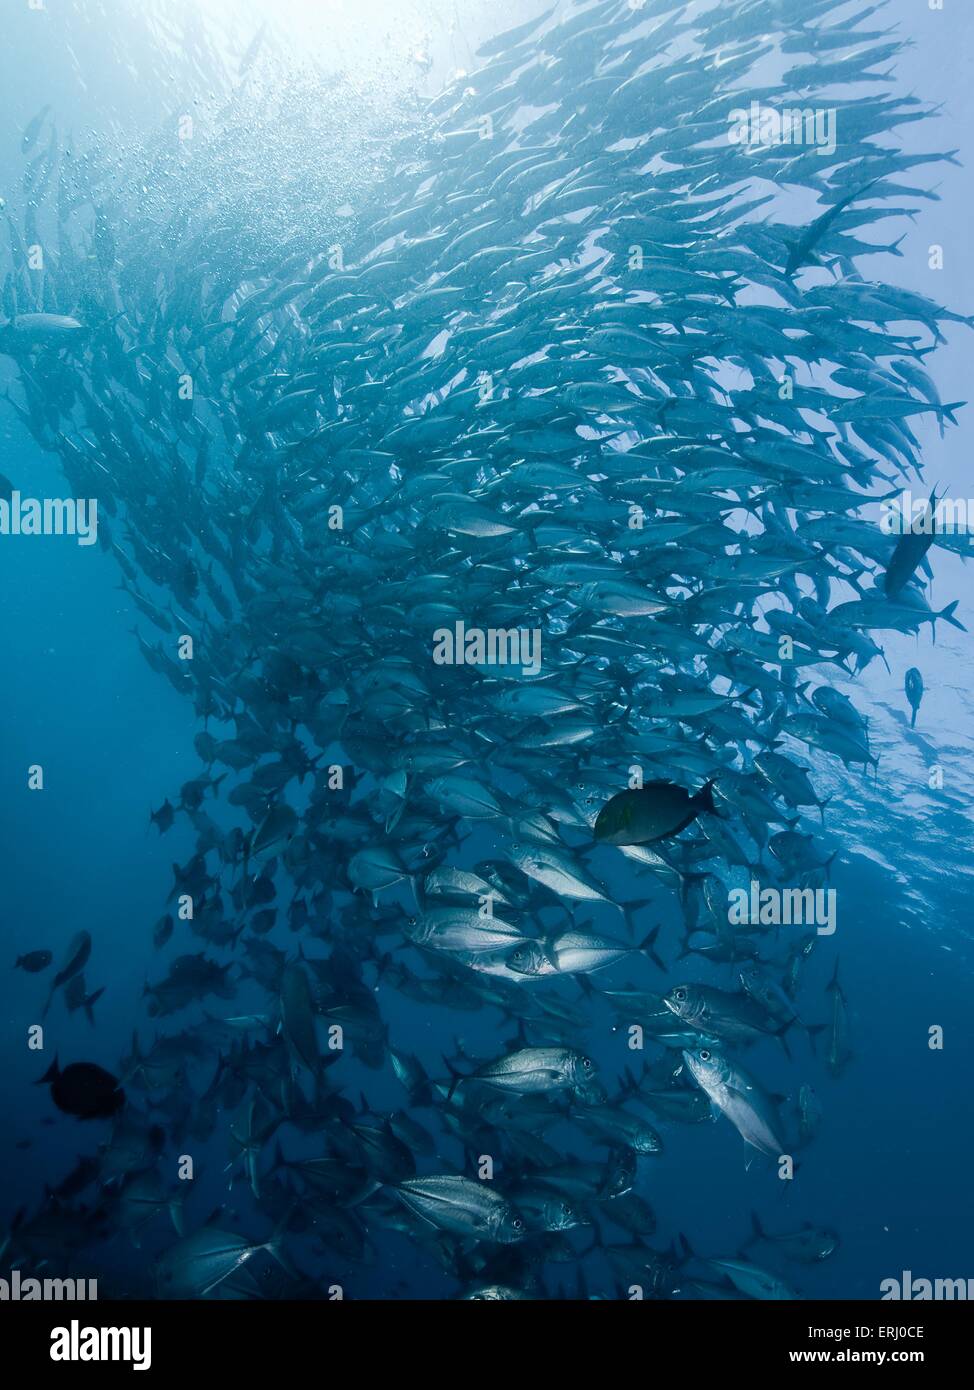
(704, 1055)
(518, 954)
(517, 1223)
(679, 995)
(567, 1210)
(587, 1063)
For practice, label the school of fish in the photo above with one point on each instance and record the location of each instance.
(503, 530)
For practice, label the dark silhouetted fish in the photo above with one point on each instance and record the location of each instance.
(84, 1089)
(34, 961)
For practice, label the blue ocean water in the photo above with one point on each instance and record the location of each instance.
(888, 1169)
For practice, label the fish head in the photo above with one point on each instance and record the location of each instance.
(707, 1067)
(647, 1142)
(755, 983)
(584, 1073)
(531, 958)
(681, 1000)
(510, 1226)
(559, 1215)
(620, 1174)
(418, 929)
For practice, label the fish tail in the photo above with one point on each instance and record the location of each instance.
(90, 1003)
(948, 615)
(629, 911)
(52, 1074)
(647, 946)
(687, 882)
(629, 1085)
(455, 1077)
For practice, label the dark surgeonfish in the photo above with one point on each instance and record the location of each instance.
(84, 1089)
(651, 812)
(34, 962)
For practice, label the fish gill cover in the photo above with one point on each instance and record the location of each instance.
(496, 475)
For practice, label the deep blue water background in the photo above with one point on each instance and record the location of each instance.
(890, 1170)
